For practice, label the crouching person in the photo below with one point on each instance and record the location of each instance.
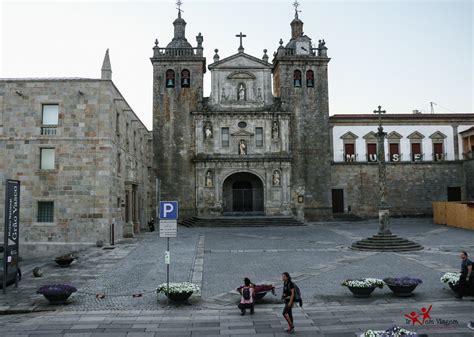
(247, 294)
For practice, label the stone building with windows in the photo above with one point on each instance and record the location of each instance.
(263, 143)
(83, 159)
(428, 156)
(251, 148)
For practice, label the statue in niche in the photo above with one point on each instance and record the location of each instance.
(242, 147)
(259, 94)
(241, 92)
(208, 130)
(275, 130)
(223, 95)
(276, 178)
(209, 179)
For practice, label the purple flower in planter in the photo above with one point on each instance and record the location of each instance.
(56, 290)
(403, 281)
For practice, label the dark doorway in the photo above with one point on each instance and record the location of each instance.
(454, 193)
(243, 195)
(338, 201)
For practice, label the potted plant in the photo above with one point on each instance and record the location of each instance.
(402, 286)
(56, 293)
(363, 287)
(396, 331)
(452, 279)
(65, 260)
(177, 292)
(261, 290)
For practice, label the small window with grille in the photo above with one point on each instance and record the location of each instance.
(45, 211)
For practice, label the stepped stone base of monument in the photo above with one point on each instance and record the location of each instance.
(386, 242)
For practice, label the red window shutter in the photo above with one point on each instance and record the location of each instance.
(438, 148)
(349, 149)
(393, 149)
(416, 151)
(372, 148)
(416, 148)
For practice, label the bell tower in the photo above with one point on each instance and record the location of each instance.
(178, 71)
(300, 79)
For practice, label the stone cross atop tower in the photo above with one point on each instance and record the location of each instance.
(296, 5)
(106, 67)
(296, 24)
(241, 47)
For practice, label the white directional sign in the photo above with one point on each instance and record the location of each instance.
(168, 228)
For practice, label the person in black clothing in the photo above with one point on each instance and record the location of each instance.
(289, 298)
(465, 279)
(151, 225)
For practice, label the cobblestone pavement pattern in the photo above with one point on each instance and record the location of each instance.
(316, 255)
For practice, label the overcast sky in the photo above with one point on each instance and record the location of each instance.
(399, 54)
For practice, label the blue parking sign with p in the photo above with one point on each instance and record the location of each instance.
(169, 210)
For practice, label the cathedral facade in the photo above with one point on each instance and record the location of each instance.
(259, 145)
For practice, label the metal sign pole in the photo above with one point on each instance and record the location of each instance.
(168, 215)
(168, 266)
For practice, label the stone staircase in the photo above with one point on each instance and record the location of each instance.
(241, 221)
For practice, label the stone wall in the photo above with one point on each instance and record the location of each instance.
(469, 178)
(85, 185)
(411, 187)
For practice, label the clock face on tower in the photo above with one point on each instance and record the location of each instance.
(302, 48)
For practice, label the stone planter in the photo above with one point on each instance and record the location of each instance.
(402, 290)
(56, 293)
(453, 287)
(179, 297)
(361, 292)
(57, 299)
(64, 262)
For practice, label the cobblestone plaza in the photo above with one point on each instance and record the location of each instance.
(317, 255)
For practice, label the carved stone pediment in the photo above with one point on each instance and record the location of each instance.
(237, 75)
(240, 60)
(416, 135)
(371, 135)
(349, 136)
(242, 133)
(394, 135)
(438, 135)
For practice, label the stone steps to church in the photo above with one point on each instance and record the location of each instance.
(230, 221)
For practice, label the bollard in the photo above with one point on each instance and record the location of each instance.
(112, 234)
